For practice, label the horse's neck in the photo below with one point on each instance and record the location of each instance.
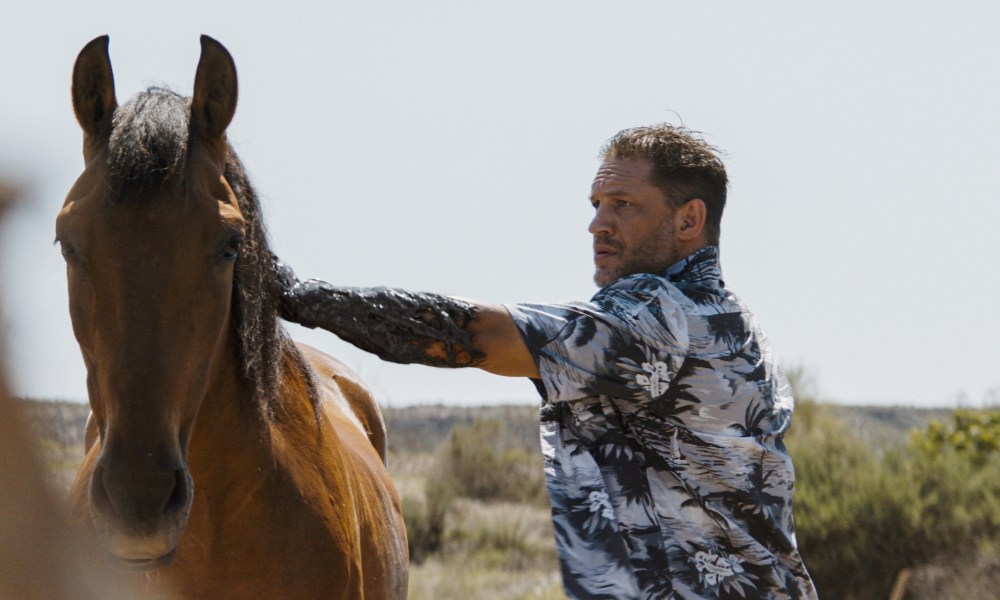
(233, 434)
(230, 432)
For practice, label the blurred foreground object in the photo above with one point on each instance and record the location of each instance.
(40, 556)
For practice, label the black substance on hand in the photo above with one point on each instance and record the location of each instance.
(396, 325)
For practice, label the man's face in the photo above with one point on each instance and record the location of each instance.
(633, 226)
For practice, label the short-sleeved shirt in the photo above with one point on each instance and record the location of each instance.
(661, 426)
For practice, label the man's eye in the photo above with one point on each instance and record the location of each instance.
(623, 203)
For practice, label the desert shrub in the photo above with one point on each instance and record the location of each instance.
(427, 518)
(835, 474)
(974, 434)
(488, 462)
(864, 513)
(506, 535)
(482, 460)
(956, 466)
(499, 541)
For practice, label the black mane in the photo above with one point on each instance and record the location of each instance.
(148, 149)
(149, 143)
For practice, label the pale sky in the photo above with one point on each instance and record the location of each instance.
(450, 146)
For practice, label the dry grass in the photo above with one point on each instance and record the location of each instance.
(489, 549)
(454, 577)
(492, 550)
(965, 580)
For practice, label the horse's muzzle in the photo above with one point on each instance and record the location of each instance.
(135, 564)
(140, 516)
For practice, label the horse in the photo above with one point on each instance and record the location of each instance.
(223, 459)
(40, 557)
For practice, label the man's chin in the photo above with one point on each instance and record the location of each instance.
(604, 277)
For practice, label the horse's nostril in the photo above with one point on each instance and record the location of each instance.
(179, 497)
(99, 495)
(139, 499)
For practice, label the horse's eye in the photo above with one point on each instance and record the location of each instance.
(232, 249)
(67, 250)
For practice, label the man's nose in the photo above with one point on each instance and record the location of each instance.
(601, 223)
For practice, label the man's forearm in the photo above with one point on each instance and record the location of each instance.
(398, 326)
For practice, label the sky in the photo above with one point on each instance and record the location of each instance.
(449, 147)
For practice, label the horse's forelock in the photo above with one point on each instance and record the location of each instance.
(148, 146)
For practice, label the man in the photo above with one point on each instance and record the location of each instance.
(662, 414)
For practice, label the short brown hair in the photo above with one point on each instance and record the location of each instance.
(684, 166)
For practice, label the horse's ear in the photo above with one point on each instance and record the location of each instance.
(94, 89)
(214, 100)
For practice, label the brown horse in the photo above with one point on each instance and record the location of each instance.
(40, 556)
(226, 459)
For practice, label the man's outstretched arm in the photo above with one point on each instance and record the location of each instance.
(408, 327)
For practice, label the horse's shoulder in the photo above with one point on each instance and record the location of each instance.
(345, 393)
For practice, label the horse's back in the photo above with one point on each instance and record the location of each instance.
(357, 423)
(349, 395)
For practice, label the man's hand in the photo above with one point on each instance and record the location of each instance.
(408, 327)
(289, 288)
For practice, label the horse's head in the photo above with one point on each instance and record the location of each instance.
(151, 232)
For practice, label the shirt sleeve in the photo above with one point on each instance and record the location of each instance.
(627, 342)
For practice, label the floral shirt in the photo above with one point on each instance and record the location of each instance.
(661, 428)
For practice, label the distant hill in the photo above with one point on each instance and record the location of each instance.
(424, 428)
(59, 427)
(882, 425)
(56, 421)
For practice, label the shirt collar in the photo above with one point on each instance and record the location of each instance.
(701, 266)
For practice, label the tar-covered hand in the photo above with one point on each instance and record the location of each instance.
(396, 325)
(408, 327)
(290, 303)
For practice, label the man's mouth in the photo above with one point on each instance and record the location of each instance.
(604, 251)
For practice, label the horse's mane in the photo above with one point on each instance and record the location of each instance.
(149, 143)
(148, 149)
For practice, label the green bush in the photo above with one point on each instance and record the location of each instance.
(488, 462)
(974, 434)
(426, 518)
(864, 513)
(483, 460)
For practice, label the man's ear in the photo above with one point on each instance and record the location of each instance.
(689, 220)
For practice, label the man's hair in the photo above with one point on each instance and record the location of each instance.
(684, 166)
